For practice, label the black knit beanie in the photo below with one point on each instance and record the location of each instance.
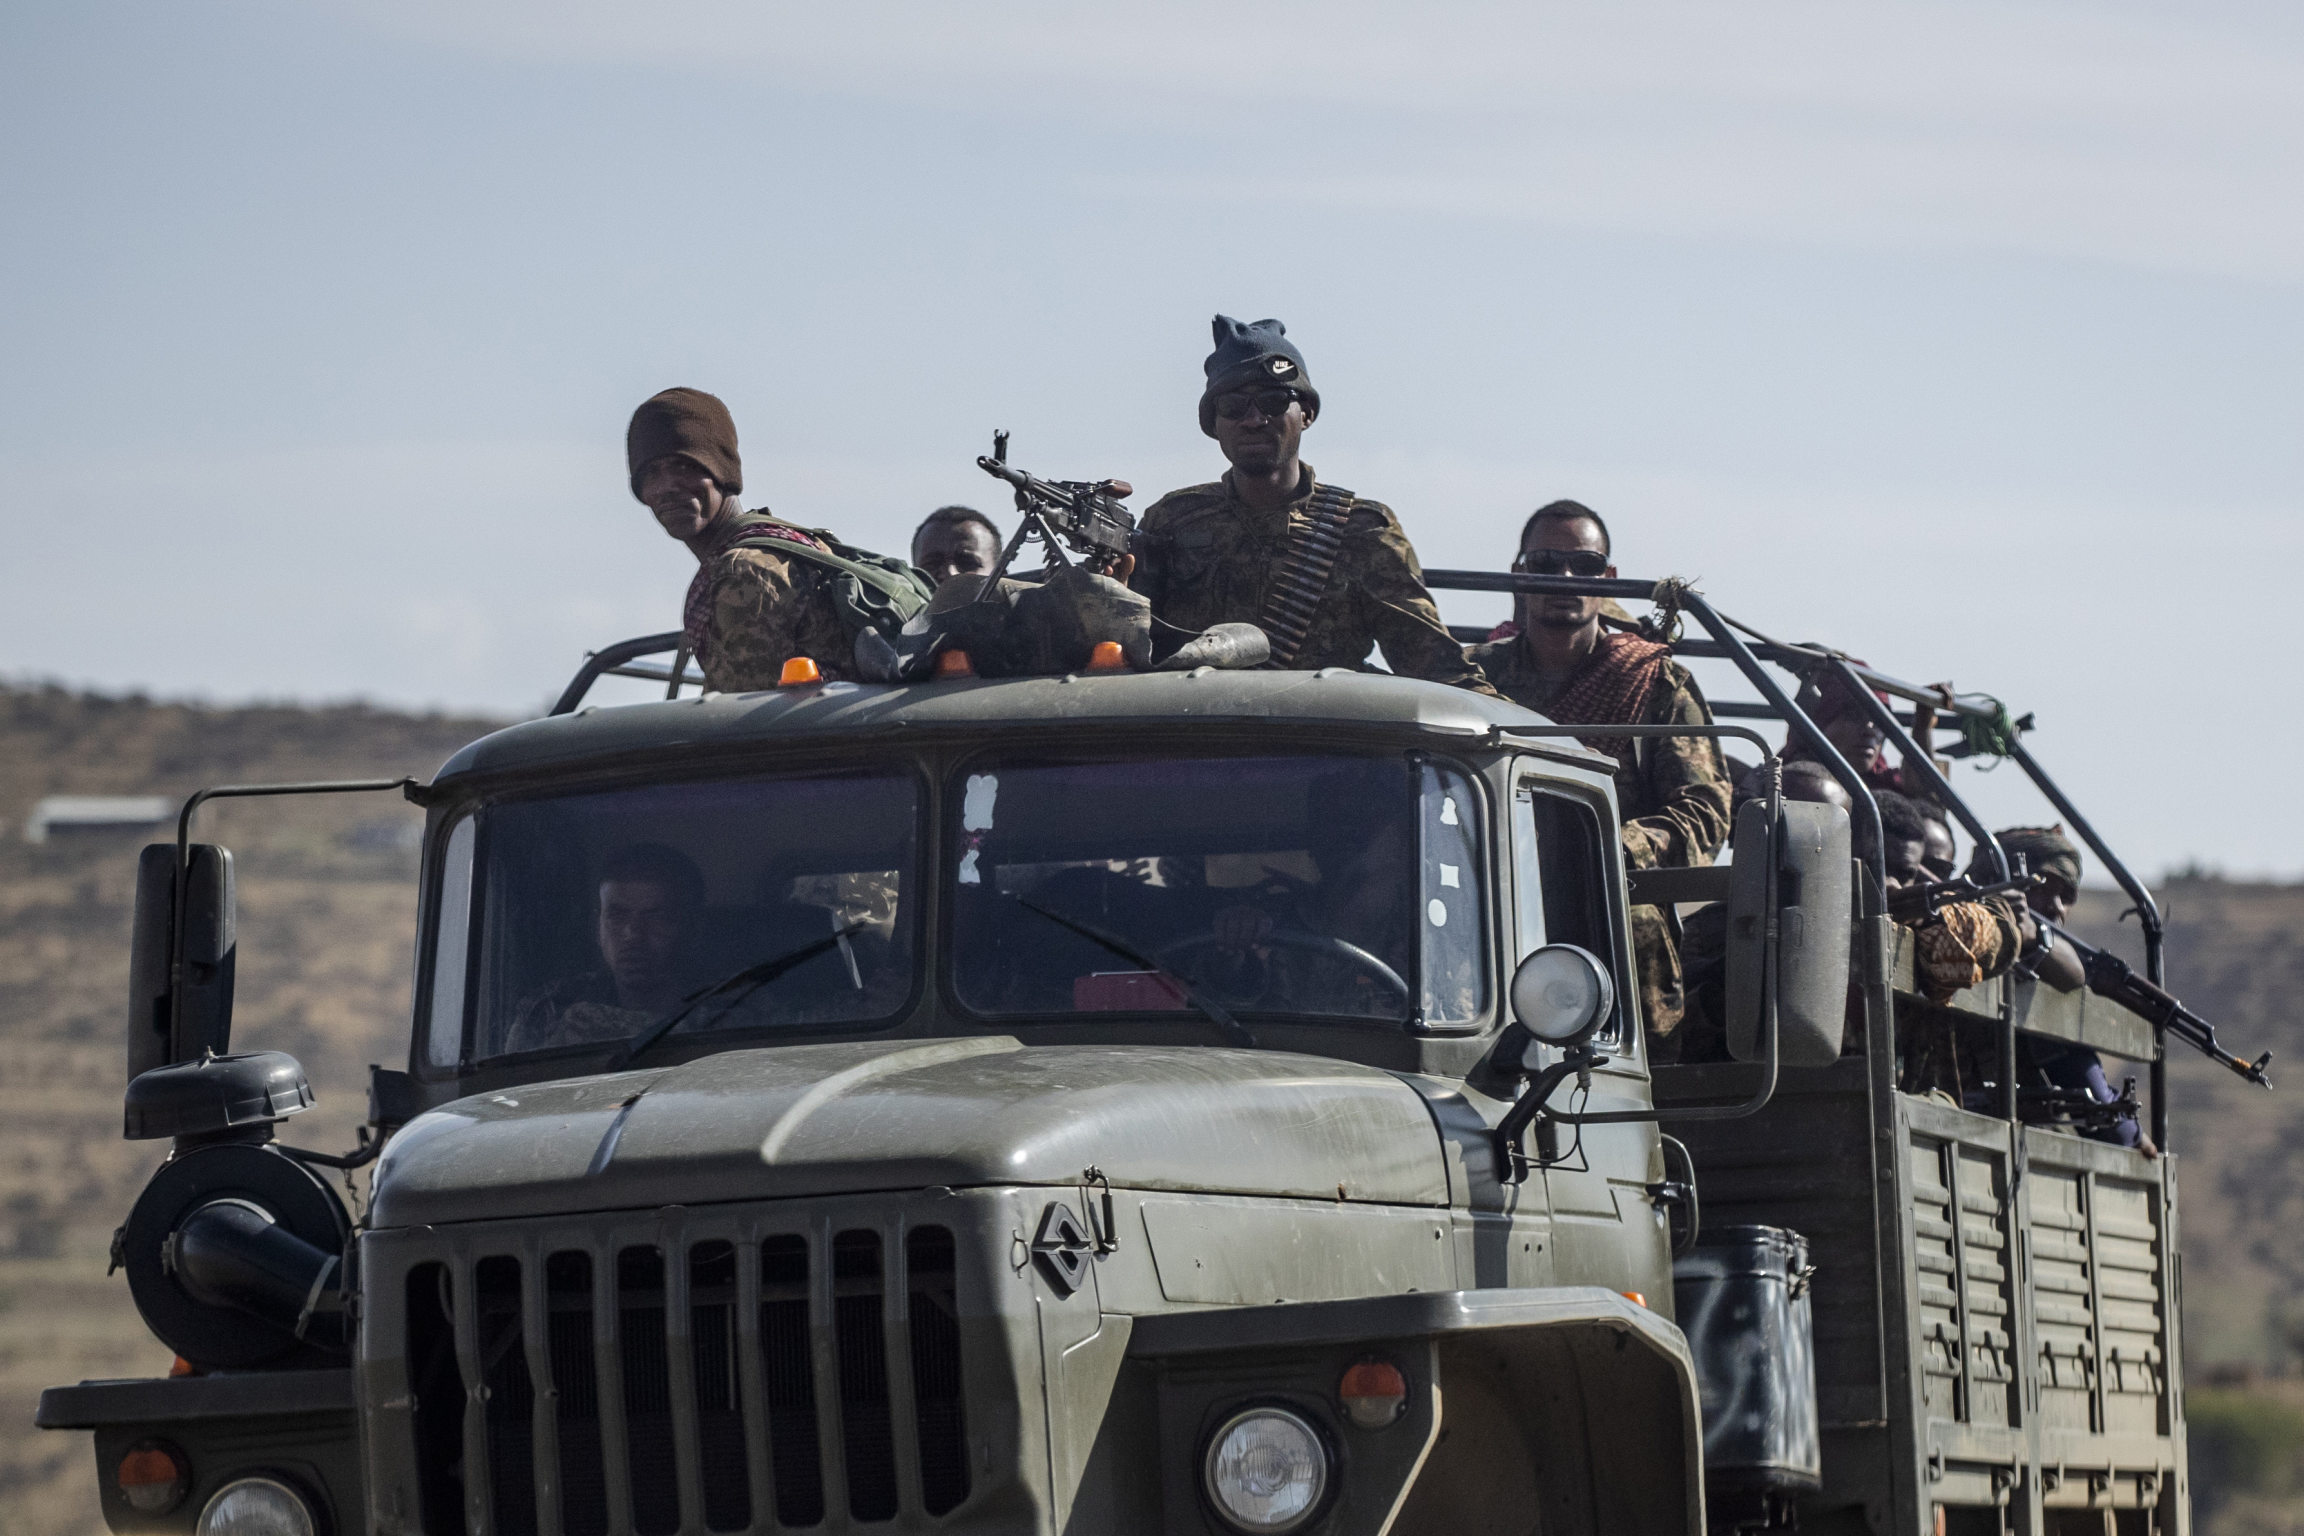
(690, 423)
(1249, 353)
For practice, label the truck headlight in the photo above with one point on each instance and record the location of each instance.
(1266, 1471)
(257, 1506)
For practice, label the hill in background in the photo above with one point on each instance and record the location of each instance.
(327, 922)
(327, 903)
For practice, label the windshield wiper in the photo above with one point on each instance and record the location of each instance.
(1214, 1011)
(744, 983)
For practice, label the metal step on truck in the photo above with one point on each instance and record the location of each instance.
(1207, 1101)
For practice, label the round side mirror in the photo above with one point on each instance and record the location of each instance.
(1562, 993)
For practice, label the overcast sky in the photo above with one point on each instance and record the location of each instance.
(1967, 338)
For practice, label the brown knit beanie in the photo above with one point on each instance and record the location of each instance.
(688, 422)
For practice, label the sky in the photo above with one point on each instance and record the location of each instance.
(1966, 338)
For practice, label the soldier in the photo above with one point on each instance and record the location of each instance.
(750, 608)
(1328, 575)
(1849, 726)
(1965, 942)
(955, 541)
(644, 916)
(1943, 856)
(1566, 663)
(2050, 854)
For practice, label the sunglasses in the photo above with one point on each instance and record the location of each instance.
(1264, 402)
(1560, 562)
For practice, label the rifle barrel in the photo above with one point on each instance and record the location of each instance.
(2114, 979)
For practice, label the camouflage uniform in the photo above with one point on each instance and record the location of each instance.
(751, 610)
(1672, 793)
(1205, 557)
(582, 1010)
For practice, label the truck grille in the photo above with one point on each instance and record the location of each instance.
(677, 1386)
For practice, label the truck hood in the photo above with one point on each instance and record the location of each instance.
(891, 1115)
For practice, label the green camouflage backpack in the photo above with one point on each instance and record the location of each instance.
(869, 591)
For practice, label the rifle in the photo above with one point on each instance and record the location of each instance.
(2079, 1108)
(2111, 977)
(1086, 516)
(1918, 903)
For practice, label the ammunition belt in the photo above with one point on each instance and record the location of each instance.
(1301, 581)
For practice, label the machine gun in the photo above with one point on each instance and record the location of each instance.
(1085, 516)
(2111, 977)
(1921, 902)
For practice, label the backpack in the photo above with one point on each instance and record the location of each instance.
(869, 591)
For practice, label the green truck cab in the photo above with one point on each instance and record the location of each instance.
(1206, 1102)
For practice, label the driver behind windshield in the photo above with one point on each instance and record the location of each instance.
(1298, 946)
(645, 922)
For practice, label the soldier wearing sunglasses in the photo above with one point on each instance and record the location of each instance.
(1575, 660)
(1210, 554)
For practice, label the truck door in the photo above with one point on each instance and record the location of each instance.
(1567, 873)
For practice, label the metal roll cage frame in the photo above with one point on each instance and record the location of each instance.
(1728, 643)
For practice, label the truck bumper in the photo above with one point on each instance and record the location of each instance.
(299, 1427)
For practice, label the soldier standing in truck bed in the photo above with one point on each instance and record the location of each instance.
(1327, 574)
(762, 593)
(1565, 663)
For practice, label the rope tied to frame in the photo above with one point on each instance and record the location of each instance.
(1991, 735)
(1671, 594)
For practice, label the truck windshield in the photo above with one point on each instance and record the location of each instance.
(1327, 886)
(588, 917)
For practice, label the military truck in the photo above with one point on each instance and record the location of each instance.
(1208, 1101)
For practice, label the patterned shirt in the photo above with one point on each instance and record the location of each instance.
(1672, 791)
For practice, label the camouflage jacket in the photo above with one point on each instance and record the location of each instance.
(751, 610)
(1205, 557)
(1672, 791)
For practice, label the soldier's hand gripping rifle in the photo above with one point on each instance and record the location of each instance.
(2111, 977)
(1920, 902)
(1085, 516)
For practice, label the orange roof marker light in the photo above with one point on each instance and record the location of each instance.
(1107, 657)
(1634, 1297)
(799, 672)
(955, 663)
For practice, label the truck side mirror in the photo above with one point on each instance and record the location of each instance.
(161, 1030)
(1814, 892)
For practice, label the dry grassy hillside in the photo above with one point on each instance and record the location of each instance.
(327, 920)
(2236, 954)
